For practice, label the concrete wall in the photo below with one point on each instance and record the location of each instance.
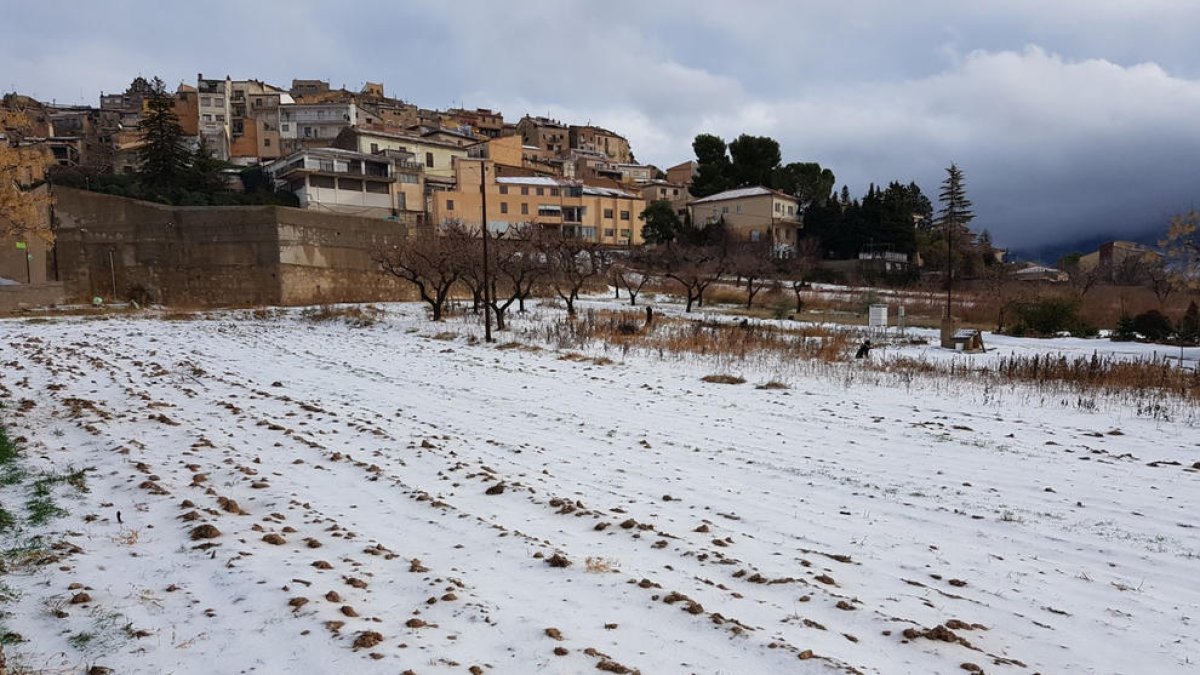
(14, 298)
(219, 256)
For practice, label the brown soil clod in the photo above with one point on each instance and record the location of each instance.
(205, 531)
(367, 639)
(558, 560)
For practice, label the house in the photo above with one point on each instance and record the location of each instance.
(482, 121)
(598, 139)
(1040, 273)
(1122, 260)
(752, 214)
(544, 133)
(214, 111)
(309, 125)
(255, 120)
(352, 183)
(683, 174)
(603, 214)
(675, 193)
(435, 156)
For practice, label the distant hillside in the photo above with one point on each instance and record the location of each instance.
(1050, 253)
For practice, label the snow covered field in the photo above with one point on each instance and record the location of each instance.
(276, 495)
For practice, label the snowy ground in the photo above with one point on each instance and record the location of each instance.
(709, 528)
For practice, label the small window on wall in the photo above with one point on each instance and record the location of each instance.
(429, 159)
(449, 204)
(609, 232)
(503, 207)
(503, 189)
(524, 209)
(608, 213)
(624, 215)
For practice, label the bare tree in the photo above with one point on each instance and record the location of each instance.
(754, 263)
(798, 267)
(1161, 281)
(572, 262)
(431, 260)
(633, 271)
(694, 267)
(518, 263)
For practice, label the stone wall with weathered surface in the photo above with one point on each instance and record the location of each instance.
(327, 258)
(23, 296)
(114, 247)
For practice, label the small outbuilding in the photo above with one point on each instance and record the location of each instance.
(968, 340)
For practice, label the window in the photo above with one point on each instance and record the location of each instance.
(285, 127)
(724, 209)
(449, 204)
(754, 235)
(778, 207)
(624, 215)
(266, 142)
(553, 192)
(429, 159)
(206, 101)
(524, 190)
(503, 207)
(739, 208)
(608, 213)
(321, 181)
(377, 188)
(791, 210)
(219, 101)
(609, 232)
(374, 148)
(206, 117)
(675, 192)
(352, 184)
(541, 192)
(524, 209)
(220, 118)
(503, 189)
(626, 233)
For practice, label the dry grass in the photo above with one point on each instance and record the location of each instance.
(724, 379)
(597, 565)
(359, 316)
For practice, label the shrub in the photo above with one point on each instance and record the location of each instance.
(1125, 331)
(1153, 325)
(1048, 316)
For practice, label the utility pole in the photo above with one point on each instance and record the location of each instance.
(487, 302)
(949, 262)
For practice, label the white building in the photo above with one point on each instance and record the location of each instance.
(343, 181)
(213, 102)
(314, 124)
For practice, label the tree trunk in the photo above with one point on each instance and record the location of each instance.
(498, 312)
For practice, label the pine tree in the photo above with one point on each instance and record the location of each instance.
(164, 159)
(953, 219)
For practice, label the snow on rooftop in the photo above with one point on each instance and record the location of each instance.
(739, 193)
(544, 181)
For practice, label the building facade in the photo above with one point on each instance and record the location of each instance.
(352, 183)
(595, 213)
(752, 214)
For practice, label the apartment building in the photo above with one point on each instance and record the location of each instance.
(683, 173)
(482, 121)
(254, 127)
(435, 157)
(596, 213)
(343, 181)
(675, 193)
(598, 139)
(752, 214)
(550, 135)
(214, 111)
(314, 124)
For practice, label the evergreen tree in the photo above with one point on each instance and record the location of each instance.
(713, 166)
(204, 170)
(164, 159)
(953, 220)
(662, 223)
(1189, 325)
(755, 161)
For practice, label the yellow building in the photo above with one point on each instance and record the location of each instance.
(752, 214)
(436, 157)
(596, 213)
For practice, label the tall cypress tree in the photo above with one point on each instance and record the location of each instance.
(164, 158)
(953, 219)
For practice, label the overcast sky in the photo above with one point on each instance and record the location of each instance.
(1070, 118)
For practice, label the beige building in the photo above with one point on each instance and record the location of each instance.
(683, 173)
(1117, 255)
(214, 112)
(435, 157)
(675, 193)
(752, 214)
(598, 139)
(603, 215)
(549, 135)
(255, 120)
(353, 183)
